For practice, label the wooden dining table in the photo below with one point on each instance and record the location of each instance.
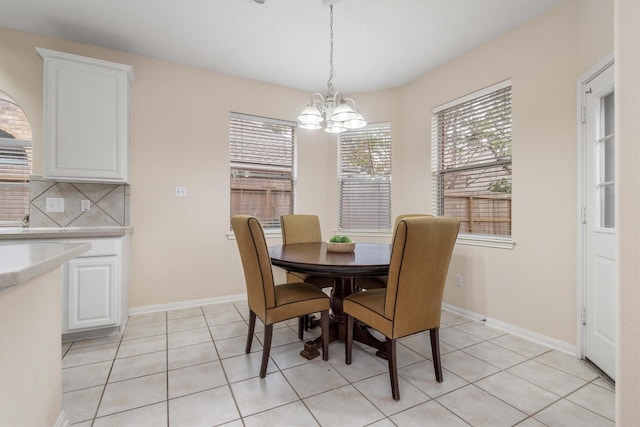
(367, 259)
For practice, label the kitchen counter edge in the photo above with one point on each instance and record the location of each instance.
(39, 259)
(63, 233)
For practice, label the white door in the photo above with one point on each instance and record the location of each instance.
(600, 233)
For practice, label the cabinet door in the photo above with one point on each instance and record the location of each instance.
(86, 118)
(92, 298)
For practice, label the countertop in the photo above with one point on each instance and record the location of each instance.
(62, 233)
(20, 262)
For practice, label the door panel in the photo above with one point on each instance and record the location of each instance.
(92, 292)
(600, 223)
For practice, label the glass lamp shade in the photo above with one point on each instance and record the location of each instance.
(309, 126)
(334, 127)
(343, 112)
(310, 115)
(356, 123)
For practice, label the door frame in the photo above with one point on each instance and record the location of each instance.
(582, 83)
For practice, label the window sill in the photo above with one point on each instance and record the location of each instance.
(267, 235)
(463, 239)
(486, 241)
(364, 233)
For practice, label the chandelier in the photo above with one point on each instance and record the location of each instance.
(333, 112)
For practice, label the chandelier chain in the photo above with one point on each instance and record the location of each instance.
(331, 70)
(333, 112)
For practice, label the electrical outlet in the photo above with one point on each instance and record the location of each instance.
(181, 191)
(54, 204)
(85, 205)
(459, 280)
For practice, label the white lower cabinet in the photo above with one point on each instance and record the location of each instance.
(95, 289)
(92, 286)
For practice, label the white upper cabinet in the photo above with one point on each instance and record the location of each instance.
(86, 118)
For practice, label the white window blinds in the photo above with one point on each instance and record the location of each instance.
(261, 166)
(364, 181)
(15, 173)
(472, 153)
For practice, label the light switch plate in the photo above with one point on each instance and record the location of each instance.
(181, 191)
(54, 204)
(85, 205)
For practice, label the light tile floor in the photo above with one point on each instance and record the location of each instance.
(187, 367)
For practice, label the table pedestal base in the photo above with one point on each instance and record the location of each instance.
(361, 334)
(342, 288)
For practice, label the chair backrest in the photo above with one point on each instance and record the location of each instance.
(403, 216)
(256, 263)
(300, 228)
(420, 255)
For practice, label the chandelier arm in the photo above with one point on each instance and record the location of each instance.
(347, 100)
(318, 101)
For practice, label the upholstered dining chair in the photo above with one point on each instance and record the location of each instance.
(411, 303)
(269, 302)
(403, 216)
(303, 228)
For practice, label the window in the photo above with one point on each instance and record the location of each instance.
(261, 154)
(15, 163)
(472, 161)
(364, 178)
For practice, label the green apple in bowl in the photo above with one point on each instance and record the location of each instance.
(340, 239)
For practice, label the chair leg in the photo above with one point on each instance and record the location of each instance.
(348, 338)
(268, 334)
(434, 334)
(252, 326)
(324, 324)
(393, 368)
(301, 326)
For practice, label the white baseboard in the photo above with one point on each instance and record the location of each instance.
(62, 420)
(507, 327)
(527, 334)
(185, 304)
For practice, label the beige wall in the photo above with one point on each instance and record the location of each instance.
(541, 58)
(179, 136)
(627, 53)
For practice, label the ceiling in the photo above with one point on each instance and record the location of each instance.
(378, 44)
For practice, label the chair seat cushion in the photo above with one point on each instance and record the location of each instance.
(294, 300)
(368, 307)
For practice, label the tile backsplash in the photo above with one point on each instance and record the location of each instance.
(108, 204)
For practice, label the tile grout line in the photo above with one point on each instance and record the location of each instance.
(224, 371)
(104, 389)
(433, 399)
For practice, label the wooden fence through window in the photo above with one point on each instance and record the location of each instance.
(480, 214)
(264, 198)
